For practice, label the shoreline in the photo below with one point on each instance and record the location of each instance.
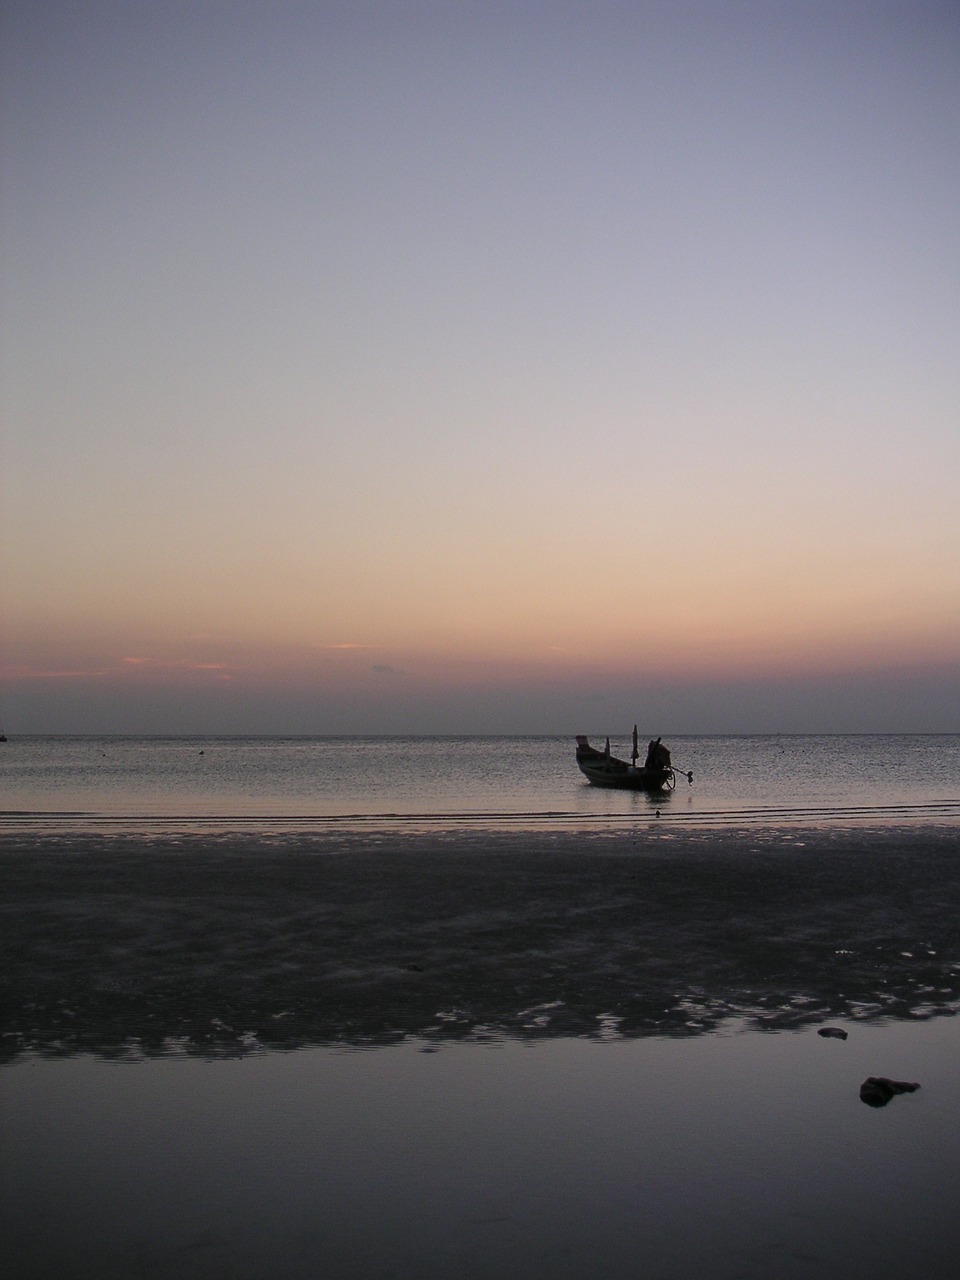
(45, 825)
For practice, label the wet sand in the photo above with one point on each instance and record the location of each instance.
(232, 943)
(573, 1074)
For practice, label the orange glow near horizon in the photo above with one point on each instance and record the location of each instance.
(719, 649)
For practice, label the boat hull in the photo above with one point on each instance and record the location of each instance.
(604, 770)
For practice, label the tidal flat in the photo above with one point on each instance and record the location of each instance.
(548, 1054)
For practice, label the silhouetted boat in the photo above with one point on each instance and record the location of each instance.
(656, 774)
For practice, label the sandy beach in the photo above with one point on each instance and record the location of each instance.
(518, 1054)
(231, 943)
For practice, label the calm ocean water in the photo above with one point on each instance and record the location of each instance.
(452, 779)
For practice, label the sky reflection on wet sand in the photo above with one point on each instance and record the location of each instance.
(736, 1154)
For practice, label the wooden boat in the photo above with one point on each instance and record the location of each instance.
(656, 774)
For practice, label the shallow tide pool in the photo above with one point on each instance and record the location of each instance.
(732, 1154)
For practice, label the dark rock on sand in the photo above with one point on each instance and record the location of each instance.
(876, 1091)
(832, 1033)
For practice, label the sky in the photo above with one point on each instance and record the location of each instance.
(392, 366)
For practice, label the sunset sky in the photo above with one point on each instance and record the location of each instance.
(384, 366)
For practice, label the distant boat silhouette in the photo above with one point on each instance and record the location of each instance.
(604, 770)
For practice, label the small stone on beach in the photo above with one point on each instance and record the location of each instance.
(876, 1091)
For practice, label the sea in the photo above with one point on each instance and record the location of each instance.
(318, 782)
